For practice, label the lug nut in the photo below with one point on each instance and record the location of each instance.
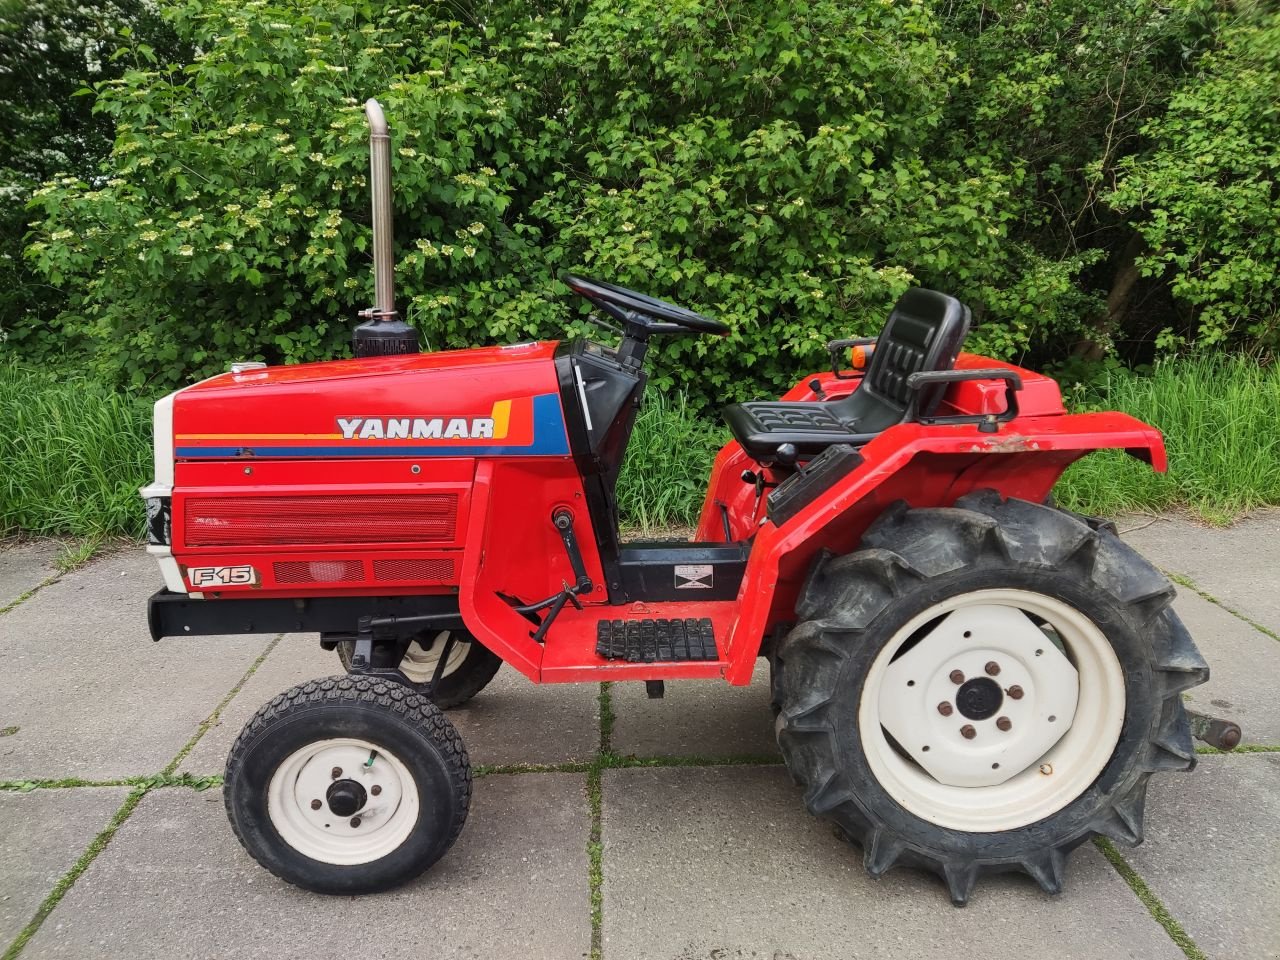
(992, 668)
(375, 790)
(316, 804)
(968, 732)
(1004, 723)
(355, 821)
(1015, 692)
(957, 676)
(945, 708)
(336, 772)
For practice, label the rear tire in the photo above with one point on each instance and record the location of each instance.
(963, 777)
(470, 667)
(348, 785)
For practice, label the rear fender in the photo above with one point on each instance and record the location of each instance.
(926, 466)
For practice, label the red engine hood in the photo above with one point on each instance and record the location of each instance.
(489, 401)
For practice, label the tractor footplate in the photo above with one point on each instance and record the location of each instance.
(656, 641)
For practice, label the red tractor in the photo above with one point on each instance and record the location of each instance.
(964, 677)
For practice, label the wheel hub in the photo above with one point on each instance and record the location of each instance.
(346, 797)
(342, 801)
(979, 698)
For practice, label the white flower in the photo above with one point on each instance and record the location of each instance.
(186, 250)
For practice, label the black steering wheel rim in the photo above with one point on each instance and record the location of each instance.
(631, 306)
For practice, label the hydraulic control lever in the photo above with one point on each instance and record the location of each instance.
(563, 522)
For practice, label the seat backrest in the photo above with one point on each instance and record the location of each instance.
(924, 332)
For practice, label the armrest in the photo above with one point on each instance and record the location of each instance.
(835, 347)
(988, 422)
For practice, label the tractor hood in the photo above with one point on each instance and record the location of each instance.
(490, 401)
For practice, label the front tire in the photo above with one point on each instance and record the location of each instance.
(983, 688)
(348, 785)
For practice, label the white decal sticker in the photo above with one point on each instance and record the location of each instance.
(695, 576)
(244, 576)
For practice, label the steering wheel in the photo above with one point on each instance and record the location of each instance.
(641, 315)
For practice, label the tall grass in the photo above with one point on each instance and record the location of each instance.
(1219, 417)
(664, 477)
(72, 456)
(73, 453)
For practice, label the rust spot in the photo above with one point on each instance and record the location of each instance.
(1010, 444)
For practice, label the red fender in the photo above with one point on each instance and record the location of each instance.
(926, 466)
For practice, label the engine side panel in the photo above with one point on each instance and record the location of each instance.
(351, 477)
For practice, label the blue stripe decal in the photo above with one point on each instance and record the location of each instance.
(549, 440)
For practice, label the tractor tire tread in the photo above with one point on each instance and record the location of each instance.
(403, 702)
(903, 550)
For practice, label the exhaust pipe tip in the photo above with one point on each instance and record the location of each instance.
(384, 333)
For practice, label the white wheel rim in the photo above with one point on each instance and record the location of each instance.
(382, 824)
(420, 665)
(997, 779)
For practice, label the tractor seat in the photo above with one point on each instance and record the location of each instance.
(924, 333)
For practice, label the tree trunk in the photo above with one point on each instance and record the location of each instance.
(1094, 347)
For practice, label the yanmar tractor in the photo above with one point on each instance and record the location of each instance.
(965, 677)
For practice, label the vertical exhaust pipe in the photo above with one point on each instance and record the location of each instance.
(383, 333)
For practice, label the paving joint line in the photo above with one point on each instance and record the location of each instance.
(208, 722)
(1208, 751)
(27, 595)
(1155, 906)
(68, 561)
(1185, 581)
(156, 782)
(68, 879)
(595, 806)
(144, 785)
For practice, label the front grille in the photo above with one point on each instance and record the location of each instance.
(247, 520)
(319, 571)
(417, 571)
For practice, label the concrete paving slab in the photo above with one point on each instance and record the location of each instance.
(296, 659)
(91, 694)
(514, 720)
(1212, 854)
(725, 863)
(696, 718)
(174, 884)
(1240, 565)
(42, 835)
(24, 565)
(511, 721)
(1244, 668)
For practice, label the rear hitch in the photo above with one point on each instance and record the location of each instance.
(1221, 734)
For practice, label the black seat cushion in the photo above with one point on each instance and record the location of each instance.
(924, 332)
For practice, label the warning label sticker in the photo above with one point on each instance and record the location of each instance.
(695, 576)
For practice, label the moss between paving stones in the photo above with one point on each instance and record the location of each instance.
(1149, 900)
(1191, 585)
(142, 786)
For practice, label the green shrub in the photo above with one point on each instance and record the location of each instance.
(782, 168)
(1209, 193)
